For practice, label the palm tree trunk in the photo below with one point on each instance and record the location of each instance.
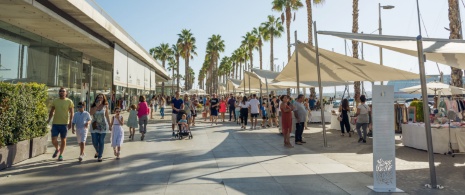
(455, 27)
(240, 72)
(186, 73)
(163, 83)
(172, 80)
(271, 51)
(309, 22)
(288, 32)
(357, 90)
(177, 72)
(260, 53)
(251, 59)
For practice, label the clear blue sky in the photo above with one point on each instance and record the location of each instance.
(153, 22)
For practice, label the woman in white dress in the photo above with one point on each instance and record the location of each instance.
(117, 134)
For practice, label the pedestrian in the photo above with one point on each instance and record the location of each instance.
(307, 108)
(207, 109)
(300, 114)
(195, 105)
(214, 102)
(344, 110)
(222, 108)
(363, 119)
(117, 132)
(254, 110)
(162, 107)
(274, 107)
(232, 106)
(153, 101)
(132, 121)
(177, 104)
(312, 102)
(81, 121)
(143, 111)
(188, 108)
(62, 112)
(244, 112)
(263, 111)
(286, 116)
(99, 127)
(237, 110)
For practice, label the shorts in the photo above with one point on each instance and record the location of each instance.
(273, 115)
(213, 112)
(264, 117)
(194, 113)
(254, 115)
(81, 135)
(61, 130)
(174, 118)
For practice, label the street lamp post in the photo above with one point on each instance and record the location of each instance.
(380, 30)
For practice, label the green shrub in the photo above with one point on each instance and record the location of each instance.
(23, 112)
(419, 110)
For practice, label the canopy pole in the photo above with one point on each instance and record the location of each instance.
(266, 84)
(249, 83)
(297, 62)
(320, 89)
(424, 94)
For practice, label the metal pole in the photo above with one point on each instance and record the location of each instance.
(249, 83)
(297, 62)
(319, 86)
(429, 140)
(380, 30)
(345, 46)
(418, 15)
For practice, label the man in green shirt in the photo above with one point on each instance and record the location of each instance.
(62, 112)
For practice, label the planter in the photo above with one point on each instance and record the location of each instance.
(38, 146)
(13, 154)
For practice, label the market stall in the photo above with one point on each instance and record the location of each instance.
(413, 135)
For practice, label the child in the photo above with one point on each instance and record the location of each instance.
(263, 110)
(117, 132)
(183, 123)
(81, 121)
(132, 122)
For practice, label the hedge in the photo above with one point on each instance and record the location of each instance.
(23, 112)
(419, 110)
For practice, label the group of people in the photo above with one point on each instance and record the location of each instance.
(362, 116)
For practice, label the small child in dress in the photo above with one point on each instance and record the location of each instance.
(81, 121)
(117, 132)
(183, 123)
(132, 122)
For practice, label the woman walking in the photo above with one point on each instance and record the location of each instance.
(344, 110)
(222, 108)
(143, 111)
(132, 121)
(99, 127)
(244, 112)
(363, 119)
(117, 132)
(162, 107)
(286, 110)
(153, 104)
(188, 108)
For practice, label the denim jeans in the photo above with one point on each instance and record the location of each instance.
(299, 130)
(162, 112)
(98, 140)
(364, 128)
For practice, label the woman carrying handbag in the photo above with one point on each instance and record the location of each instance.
(344, 110)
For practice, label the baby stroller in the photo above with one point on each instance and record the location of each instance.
(180, 134)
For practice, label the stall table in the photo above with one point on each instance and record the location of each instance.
(316, 117)
(414, 135)
(335, 124)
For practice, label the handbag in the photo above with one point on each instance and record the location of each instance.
(339, 118)
(94, 125)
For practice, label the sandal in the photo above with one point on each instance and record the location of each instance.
(96, 155)
(115, 153)
(99, 160)
(342, 134)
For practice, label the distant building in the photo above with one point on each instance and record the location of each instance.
(410, 83)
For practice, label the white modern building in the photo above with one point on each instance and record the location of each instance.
(74, 44)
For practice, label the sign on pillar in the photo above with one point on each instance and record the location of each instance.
(384, 155)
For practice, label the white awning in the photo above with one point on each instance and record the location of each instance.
(270, 76)
(450, 52)
(338, 67)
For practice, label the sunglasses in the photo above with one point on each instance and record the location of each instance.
(62, 91)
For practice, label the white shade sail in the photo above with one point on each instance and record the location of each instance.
(270, 76)
(338, 67)
(450, 52)
(197, 91)
(435, 88)
(233, 83)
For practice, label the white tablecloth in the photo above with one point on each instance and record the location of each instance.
(335, 124)
(414, 135)
(316, 117)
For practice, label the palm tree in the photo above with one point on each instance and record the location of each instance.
(259, 33)
(273, 28)
(454, 27)
(357, 90)
(215, 45)
(191, 76)
(287, 6)
(243, 57)
(177, 54)
(250, 41)
(162, 53)
(186, 42)
(172, 66)
(235, 57)
(201, 78)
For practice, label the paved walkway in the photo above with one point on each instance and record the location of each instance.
(219, 159)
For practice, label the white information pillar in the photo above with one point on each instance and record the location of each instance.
(384, 156)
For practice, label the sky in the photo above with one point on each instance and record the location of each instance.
(152, 22)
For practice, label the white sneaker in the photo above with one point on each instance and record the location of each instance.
(292, 135)
(80, 158)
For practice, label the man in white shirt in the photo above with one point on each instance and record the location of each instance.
(254, 110)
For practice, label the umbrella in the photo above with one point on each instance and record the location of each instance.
(434, 88)
(197, 91)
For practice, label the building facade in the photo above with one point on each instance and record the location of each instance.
(74, 44)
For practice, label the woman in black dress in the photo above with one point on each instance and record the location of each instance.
(344, 110)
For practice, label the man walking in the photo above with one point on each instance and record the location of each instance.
(300, 115)
(177, 104)
(62, 112)
(254, 110)
(232, 107)
(214, 103)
